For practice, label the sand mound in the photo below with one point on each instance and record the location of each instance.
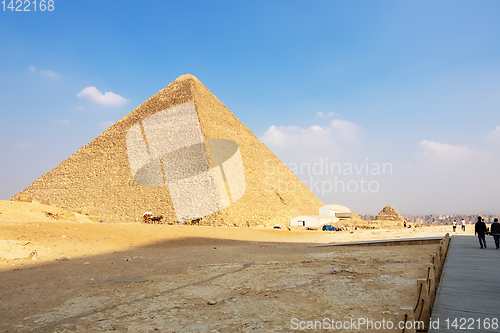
(181, 154)
(17, 211)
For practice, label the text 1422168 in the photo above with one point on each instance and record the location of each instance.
(27, 5)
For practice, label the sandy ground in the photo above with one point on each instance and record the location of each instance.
(91, 276)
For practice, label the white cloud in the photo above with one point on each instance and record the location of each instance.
(346, 130)
(108, 98)
(275, 136)
(494, 136)
(322, 115)
(45, 73)
(443, 152)
(289, 136)
(291, 142)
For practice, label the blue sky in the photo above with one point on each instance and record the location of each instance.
(413, 84)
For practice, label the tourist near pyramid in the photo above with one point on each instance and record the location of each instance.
(389, 214)
(181, 154)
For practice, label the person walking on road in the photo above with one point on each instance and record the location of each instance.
(480, 231)
(495, 232)
(463, 225)
(454, 225)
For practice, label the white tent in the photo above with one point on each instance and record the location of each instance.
(335, 210)
(314, 221)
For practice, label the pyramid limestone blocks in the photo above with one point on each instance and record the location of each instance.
(389, 214)
(22, 198)
(181, 154)
(168, 148)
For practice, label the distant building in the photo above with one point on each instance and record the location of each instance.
(313, 221)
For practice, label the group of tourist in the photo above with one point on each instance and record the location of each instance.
(455, 225)
(481, 230)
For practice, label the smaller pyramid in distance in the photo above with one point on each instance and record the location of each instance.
(183, 155)
(389, 214)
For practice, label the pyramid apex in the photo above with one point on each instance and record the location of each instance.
(187, 77)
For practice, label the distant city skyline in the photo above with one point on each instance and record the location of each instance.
(438, 219)
(399, 99)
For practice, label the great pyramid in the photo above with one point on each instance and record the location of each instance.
(389, 214)
(181, 154)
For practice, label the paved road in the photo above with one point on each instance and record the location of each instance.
(468, 298)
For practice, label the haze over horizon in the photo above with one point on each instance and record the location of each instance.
(369, 103)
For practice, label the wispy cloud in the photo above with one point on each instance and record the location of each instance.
(62, 122)
(290, 136)
(45, 73)
(323, 115)
(443, 152)
(494, 136)
(107, 99)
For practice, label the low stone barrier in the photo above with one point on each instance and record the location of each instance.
(426, 289)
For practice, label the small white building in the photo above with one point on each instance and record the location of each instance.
(314, 221)
(338, 211)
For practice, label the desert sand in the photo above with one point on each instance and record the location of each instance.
(92, 276)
